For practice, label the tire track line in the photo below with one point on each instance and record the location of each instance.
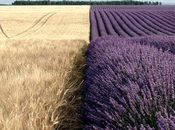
(33, 25)
(46, 21)
(37, 26)
(4, 32)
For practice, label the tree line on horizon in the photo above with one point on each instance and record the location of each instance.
(64, 2)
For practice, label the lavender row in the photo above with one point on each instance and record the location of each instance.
(130, 25)
(94, 26)
(109, 26)
(118, 28)
(124, 26)
(160, 19)
(144, 24)
(133, 7)
(167, 17)
(129, 84)
(156, 25)
(137, 24)
(132, 21)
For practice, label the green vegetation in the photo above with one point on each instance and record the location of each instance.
(64, 2)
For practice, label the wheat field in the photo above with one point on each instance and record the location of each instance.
(48, 22)
(42, 60)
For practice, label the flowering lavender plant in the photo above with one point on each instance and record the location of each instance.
(129, 84)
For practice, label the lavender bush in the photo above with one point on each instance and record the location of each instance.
(129, 84)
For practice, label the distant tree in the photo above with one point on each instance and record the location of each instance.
(64, 2)
(146, 3)
(157, 3)
(47, 2)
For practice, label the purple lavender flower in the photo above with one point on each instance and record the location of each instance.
(129, 84)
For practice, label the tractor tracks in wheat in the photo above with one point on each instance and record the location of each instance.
(2, 30)
(37, 26)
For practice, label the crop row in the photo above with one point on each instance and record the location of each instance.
(133, 7)
(132, 21)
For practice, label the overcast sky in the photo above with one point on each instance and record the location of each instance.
(163, 1)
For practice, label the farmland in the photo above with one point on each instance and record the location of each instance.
(130, 69)
(52, 22)
(131, 21)
(41, 52)
(91, 68)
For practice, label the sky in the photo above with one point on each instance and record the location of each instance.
(163, 1)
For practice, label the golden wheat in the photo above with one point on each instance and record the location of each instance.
(40, 73)
(39, 82)
(48, 22)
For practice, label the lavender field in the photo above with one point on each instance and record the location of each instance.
(132, 21)
(130, 73)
